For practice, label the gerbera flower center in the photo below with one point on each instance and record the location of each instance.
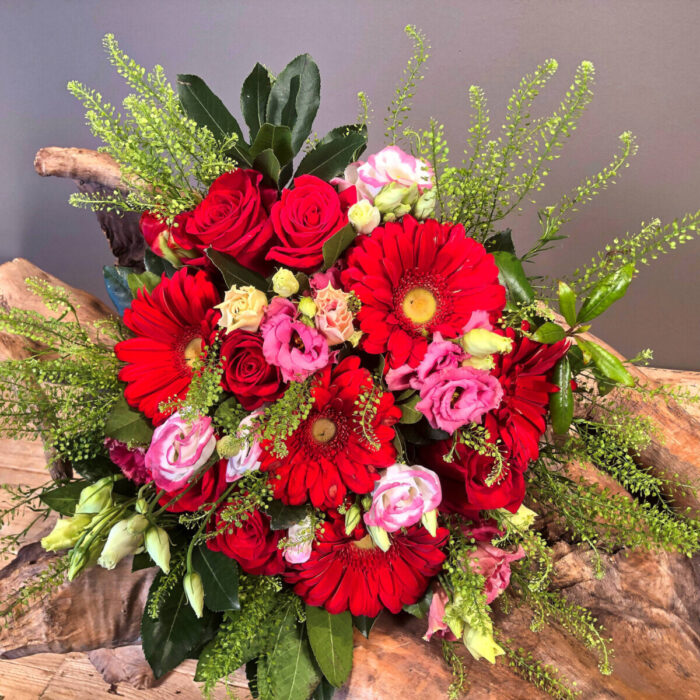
(323, 430)
(419, 305)
(192, 351)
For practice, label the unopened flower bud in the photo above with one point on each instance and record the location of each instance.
(380, 537)
(84, 557)
(158, 547)
(523, 519)
(481, 342)
(429, 521)
(481, 644)
(307, 306)
(141, 505)
(486, 363)
(228, 446)
(355, 338)
(137, 524)
(194, 592)
(284, 282)
(425, 206)
(120, 543)
(66, 532)
(396, 200)
(352, 518)
(95, 497)
(364, 216)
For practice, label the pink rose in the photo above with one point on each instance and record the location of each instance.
(391, 164)
(131, 460)
(490, 561)
(333, 317)
(436, 613)
(402, 496)
(178, 449)
(247, 459)
(455, 397)
(289, 344)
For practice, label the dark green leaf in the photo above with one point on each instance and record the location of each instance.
(607, 291)
(169, 639)
(142, 280)
(513, 277)
(267, 164)
(421, 608)
(409, 413)
(332, 154)
(567, 303)
(303, 281)
(234, 273)
(128, 425)
(142, 561)
(500, 241)
(575, 359)
(561, 403)
(254, 96)
(608, 365)
(331, 641)
(364, 624)
(94, 468)
(219, 577)
(324, 691)
(283, 517)
(117, 286)
(276, 138)
(157, 265)
(63, 499)
(294, 98)
(549, 333)
(336, 245)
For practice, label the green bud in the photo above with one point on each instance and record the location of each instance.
(429, 521)
(396, 200)
(481, 645)
(380, 537)
(424, 208)
(307, 306)
(523, 519)
(158, 547)
(95, 497)
(141, 505)
(194, 592)
(84, 557)
(66, 532)
(352, 518)
(284, 282)
(481, 342)
(366, 502)
(137, 524)
(228, 446)
(120, 543)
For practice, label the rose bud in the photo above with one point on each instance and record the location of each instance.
(284, 282)
(121, 542)
(242, 307)
(95, 497)
(194, 590)
(66, 532)
(158, 547)
(364, 216)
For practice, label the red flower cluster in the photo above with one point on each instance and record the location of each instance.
(208, 487)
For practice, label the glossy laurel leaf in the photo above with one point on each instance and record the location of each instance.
(605, 293)
(331, 641)
(254, 95)
(336, 245)
(219, 578)
(233, 272)
(513, 277)
(561, 403)
(128, 425)
(606, 363)
(63, 499)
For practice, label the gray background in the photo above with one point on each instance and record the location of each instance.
(648, 81)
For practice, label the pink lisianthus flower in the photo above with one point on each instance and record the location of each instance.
(455, 397)
(247, 459)
(436, 614)
(441, 354)
(300, 538)
(391, 164)
(291, 345)
(402, 496)
(333, 317)
(178, 449)
(131, 460)
(478, 319)
(490, 561)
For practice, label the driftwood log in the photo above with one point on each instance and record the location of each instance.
(648, 603)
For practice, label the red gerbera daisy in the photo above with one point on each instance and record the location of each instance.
(170, 324)
(351, 573)
(340, 445)
(418, 278)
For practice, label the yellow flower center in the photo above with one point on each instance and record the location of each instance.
(365, 543)
(323, 430)
(192, 351)
(419, 305)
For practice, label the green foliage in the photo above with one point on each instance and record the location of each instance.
(219, 574)
(334, 247)
(330, 637)
(127, 425)
(167, 160)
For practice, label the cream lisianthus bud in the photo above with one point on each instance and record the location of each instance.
(481, 645)
(380, 537)
(364, 216)
(66, 532)
(83, 557)
(523, 519)
(120, 543)
(395, 200)
(480, 342)
(424, 208)
(137, 524)
(355, 338)
(284, 282)
(194, 590)
(352, 518)
(486, 363)
(158, 547)
(429, 521)
(242, 308)
(95, 497)
(307, 306)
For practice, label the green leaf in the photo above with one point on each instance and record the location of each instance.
(333, 153)
(219, 577)
(254, 96)
(364, 624)
(336, 245)
(502, 240)
(157, 265)
(606, 292)
(561, 403)
(295, 97)
(142, 280)
(234, 273)
(324, 691)
(549, 333)
(331, 641)
(128, 425)
(513, 277)
(291, 669)
(276, 138)
(63, 499)
(283, 517)
(267, 164)
(94, 468)
(567, 303)
(168, 640)
(117, 286)
(409, 414)
(608, 365)
(421, 608)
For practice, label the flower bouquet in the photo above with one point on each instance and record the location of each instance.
(332, 386)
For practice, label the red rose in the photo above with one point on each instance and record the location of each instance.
(247, 374)
(206, 490)
(253, 545)
(167, 241)
(305, 218)
(234, 219)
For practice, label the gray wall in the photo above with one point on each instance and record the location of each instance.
(648, 81)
